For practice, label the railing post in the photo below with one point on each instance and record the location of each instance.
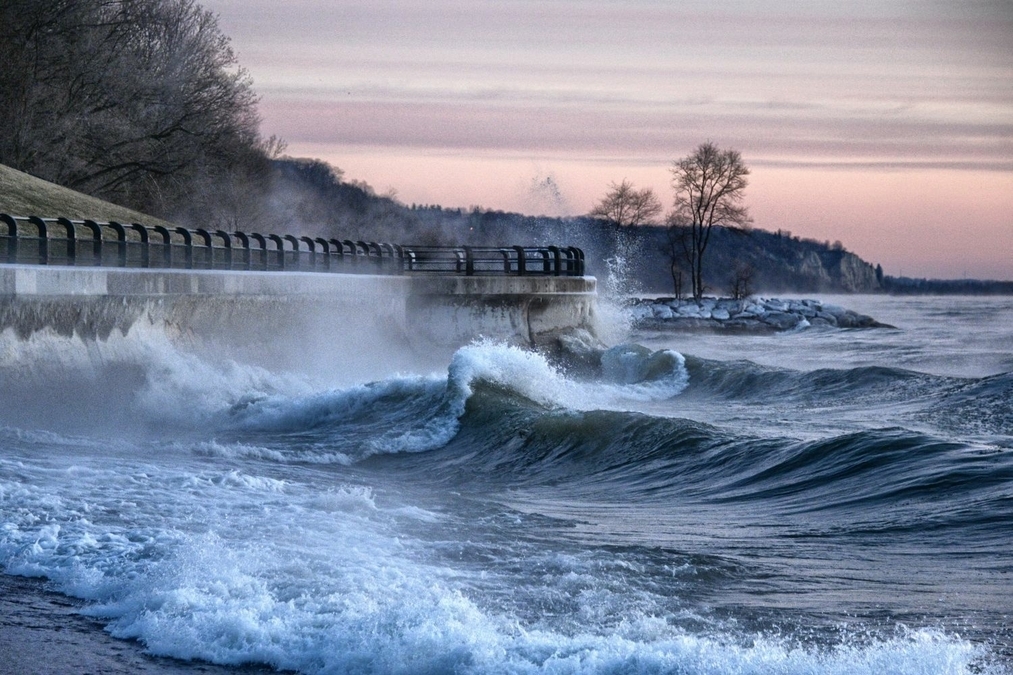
(399, 253)
(227, 240)
(12, 237)
(368, 252)
(71, 239)
(295, 248)
(209, 245)
(121, 242)
(260, 239)
(325, 248)
(188, 247)
(522, 263)
(142, 231)
(337, 249)
(96, 233)
(546, 264)
(166, 244)
(554, 251)
(311, 246)
(388, 257)
(43, 239)
(247, 253)
(352, 251)
(280, 243)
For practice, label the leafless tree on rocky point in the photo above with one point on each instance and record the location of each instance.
(709, 186)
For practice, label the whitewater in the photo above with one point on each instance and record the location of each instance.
(819, 501)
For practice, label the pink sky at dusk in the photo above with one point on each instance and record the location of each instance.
(887, 125)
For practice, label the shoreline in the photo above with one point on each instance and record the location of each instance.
(44, 632)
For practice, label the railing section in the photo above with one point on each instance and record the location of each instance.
(89, 243)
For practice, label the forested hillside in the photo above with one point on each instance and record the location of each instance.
(139, 102)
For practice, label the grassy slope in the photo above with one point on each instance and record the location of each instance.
(25, 195)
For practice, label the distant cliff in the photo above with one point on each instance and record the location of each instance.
(773, 261)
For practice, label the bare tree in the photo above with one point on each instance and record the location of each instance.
(741, 283)
(709, 186)
(676, 250)
(130, 100)
(625, 206)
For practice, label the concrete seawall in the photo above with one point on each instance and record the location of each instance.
(444, 311)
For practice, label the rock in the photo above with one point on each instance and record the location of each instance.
(855, 320)
(834, 310)
(729, 305)
(774, 305)
(662, 312)
(829, 319)
(780, 320)
(765, 315)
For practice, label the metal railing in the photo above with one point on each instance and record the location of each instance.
(89, 243)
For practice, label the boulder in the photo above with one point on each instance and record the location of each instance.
(781, 320)
(662, 312)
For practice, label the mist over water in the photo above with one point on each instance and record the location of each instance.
(814, 502)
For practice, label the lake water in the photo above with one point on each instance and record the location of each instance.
(814, 502)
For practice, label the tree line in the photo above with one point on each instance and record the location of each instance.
(139, 102)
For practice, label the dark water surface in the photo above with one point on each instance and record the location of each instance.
(813, 502)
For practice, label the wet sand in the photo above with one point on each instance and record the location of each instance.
(42, 632)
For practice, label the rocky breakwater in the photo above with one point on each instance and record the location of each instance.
(751, 315)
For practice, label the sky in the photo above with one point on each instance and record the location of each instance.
(884, 124)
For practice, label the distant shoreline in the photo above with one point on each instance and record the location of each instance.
(912, 286)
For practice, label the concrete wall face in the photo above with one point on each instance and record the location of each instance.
(445, 311)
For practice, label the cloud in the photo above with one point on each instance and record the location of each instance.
(801, 133)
